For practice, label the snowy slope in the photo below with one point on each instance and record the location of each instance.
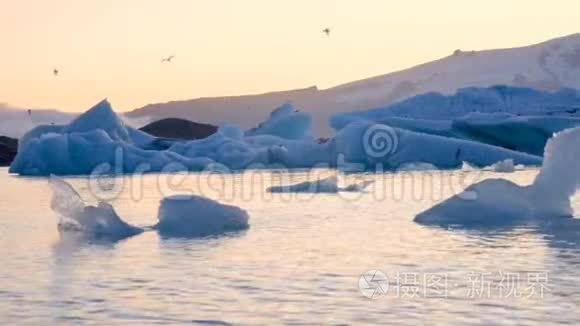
(549, 66)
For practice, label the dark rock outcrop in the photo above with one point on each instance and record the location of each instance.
(8, 148)
(179, 129)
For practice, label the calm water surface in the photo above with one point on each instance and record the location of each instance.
(300, 262)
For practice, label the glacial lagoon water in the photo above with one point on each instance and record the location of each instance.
(354, 258)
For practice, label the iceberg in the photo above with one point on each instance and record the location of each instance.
(179, 216)
(498, 201)
(370, 145)
(99, 221)
(514, 118)
(527, 134)
(236, 151)
(327, 185)
(195, 216)
(495, 99)
(98, 142)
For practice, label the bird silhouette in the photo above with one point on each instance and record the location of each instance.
(168, 59)
(55, 72)
(326, 31)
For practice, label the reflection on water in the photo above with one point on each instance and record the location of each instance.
(300, 262)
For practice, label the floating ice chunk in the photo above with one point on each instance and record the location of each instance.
(179, 216)
(192, 216)
(490, 202)
(467, 167)
(505, 166)
(93, 221)
(417, 166)
(327, 185)
(499, 201)
(559, 178)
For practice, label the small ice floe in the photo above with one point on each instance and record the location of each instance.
(179, 216)
(327, 185)
(505, 166)
(100, 221)
(499, 201)
(417, 166)
(467, 167)
(193, 216)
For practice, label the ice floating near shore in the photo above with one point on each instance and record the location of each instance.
(498, 201)
(327, 185)
(179, 216)
(192, 216)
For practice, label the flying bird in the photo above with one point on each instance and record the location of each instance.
(326, 31)
(55, 72)
(168, 59)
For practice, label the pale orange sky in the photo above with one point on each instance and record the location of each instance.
(112, 48)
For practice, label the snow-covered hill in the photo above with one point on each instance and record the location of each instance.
(548, 66)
